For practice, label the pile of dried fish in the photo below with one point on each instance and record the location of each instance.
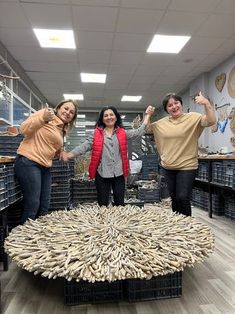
(99, 243)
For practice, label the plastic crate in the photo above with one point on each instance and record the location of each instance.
(203, 171)
(161, 287)
(85, 292)
(149, 195)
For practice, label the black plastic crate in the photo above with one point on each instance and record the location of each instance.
(86, 292)
(203, 170)
(161, 287)
(149, 195)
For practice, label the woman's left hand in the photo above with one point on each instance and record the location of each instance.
(201, 100)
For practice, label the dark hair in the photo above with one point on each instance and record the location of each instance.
(168, 96)
(100, 122)
(68, 127)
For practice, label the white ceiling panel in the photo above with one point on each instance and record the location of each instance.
(204, 45)
(149, 70)
(214, 26)
(96, 3)
(181, 23)
(57, 2)
(131, 42)
(227, 48)
(145, 4)
(59, 76)
(46, 84)
(94, 56)
(48, 16)
(198, 6)
(18, 37)
(158, 59)
(126, 57)
(122, 70)
(94, 18)
(50, 66)
(95, 40)
(38, 54)
(138, 21)
(226, 7)
(11, 15)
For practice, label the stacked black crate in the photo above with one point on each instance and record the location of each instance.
(3, 188)
(200, 198)
(13, 187)
(229, 206)
(82, 192)
(15, 197)
(9, 144)
(217, 204)
(149, 195)
(203, 171)
(60, 188)
(149, 166)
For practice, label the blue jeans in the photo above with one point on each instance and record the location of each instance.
(180, 185)
(35, 183)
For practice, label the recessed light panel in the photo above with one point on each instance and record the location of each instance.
(167, 44)
(93, 78)
(131, 98)
(74, 96)
(54, 38)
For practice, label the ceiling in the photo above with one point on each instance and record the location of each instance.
(112, 37)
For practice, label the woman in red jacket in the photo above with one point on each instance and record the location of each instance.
(109, 157)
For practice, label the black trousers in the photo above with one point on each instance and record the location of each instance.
(180, 185)
(103, 187)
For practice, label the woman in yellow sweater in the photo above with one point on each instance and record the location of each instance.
(43, 134)
(176, 138)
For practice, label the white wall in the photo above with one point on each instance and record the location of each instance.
(206, 83)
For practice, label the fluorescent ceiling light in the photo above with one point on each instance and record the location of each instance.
(74, 96)
(167, 44)
(93, 78)
(131, 98)
(123, 116)
(55, 38)
(83, 116)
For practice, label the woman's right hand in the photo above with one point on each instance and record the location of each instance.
(48, 114)
(66, 156)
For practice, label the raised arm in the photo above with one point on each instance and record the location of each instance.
(142, 129)
(78, 150)
(210, 117)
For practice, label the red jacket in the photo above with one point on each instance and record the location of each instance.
(97, 149)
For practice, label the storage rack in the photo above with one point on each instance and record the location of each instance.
(218, 174)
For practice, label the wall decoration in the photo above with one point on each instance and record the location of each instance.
(220, 81)
(232, 125)
(231, 83)
(222, 116)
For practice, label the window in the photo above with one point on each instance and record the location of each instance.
(20, 112)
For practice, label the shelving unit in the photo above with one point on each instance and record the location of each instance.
(216, 173)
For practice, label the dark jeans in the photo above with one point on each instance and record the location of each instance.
(35, 183)
(180, 184)
(103, 187)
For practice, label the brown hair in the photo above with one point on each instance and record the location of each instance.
(68, 126)
(168, 96)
